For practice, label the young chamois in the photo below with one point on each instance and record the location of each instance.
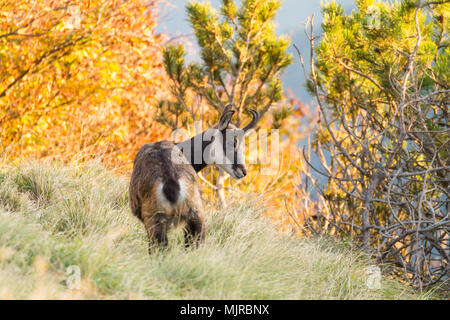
(164, 187)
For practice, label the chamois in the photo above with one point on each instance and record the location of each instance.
(164, 188)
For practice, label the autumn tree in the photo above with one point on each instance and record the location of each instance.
(78, 78)
(381, 79)
(241, 62)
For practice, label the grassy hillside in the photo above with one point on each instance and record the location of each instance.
(53, 217)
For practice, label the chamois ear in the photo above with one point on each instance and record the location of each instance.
(226, 116)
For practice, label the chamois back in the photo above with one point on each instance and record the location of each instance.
(164, 190)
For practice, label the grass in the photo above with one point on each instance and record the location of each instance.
(53, 217)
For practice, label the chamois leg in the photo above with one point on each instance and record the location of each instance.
(157, 227)
(194, 231)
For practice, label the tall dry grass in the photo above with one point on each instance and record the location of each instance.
(53, 217)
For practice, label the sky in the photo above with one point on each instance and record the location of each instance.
(288, 21)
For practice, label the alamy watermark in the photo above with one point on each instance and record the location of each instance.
(373, 17)
(73, 21)
(373, 280)
(229, 148)
(73, 280)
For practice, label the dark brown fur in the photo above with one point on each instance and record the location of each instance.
(164, 193)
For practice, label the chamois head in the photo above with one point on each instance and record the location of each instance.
(226, 147)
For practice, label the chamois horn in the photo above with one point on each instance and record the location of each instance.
(255, 119)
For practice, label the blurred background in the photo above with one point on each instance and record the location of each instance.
(289, 20)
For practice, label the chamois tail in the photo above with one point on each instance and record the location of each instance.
(171, 190)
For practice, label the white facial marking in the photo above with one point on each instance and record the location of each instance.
(225, 156)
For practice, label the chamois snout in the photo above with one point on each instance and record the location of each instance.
(239, 171)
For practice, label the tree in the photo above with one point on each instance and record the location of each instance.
(241, 62)
(78, 78)
(381, 78)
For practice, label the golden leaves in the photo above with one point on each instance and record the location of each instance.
(77, 78)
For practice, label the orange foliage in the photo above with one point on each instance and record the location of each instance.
(277, 177)
(78, 78)
(284, 193)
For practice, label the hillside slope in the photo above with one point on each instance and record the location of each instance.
(54, 217)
